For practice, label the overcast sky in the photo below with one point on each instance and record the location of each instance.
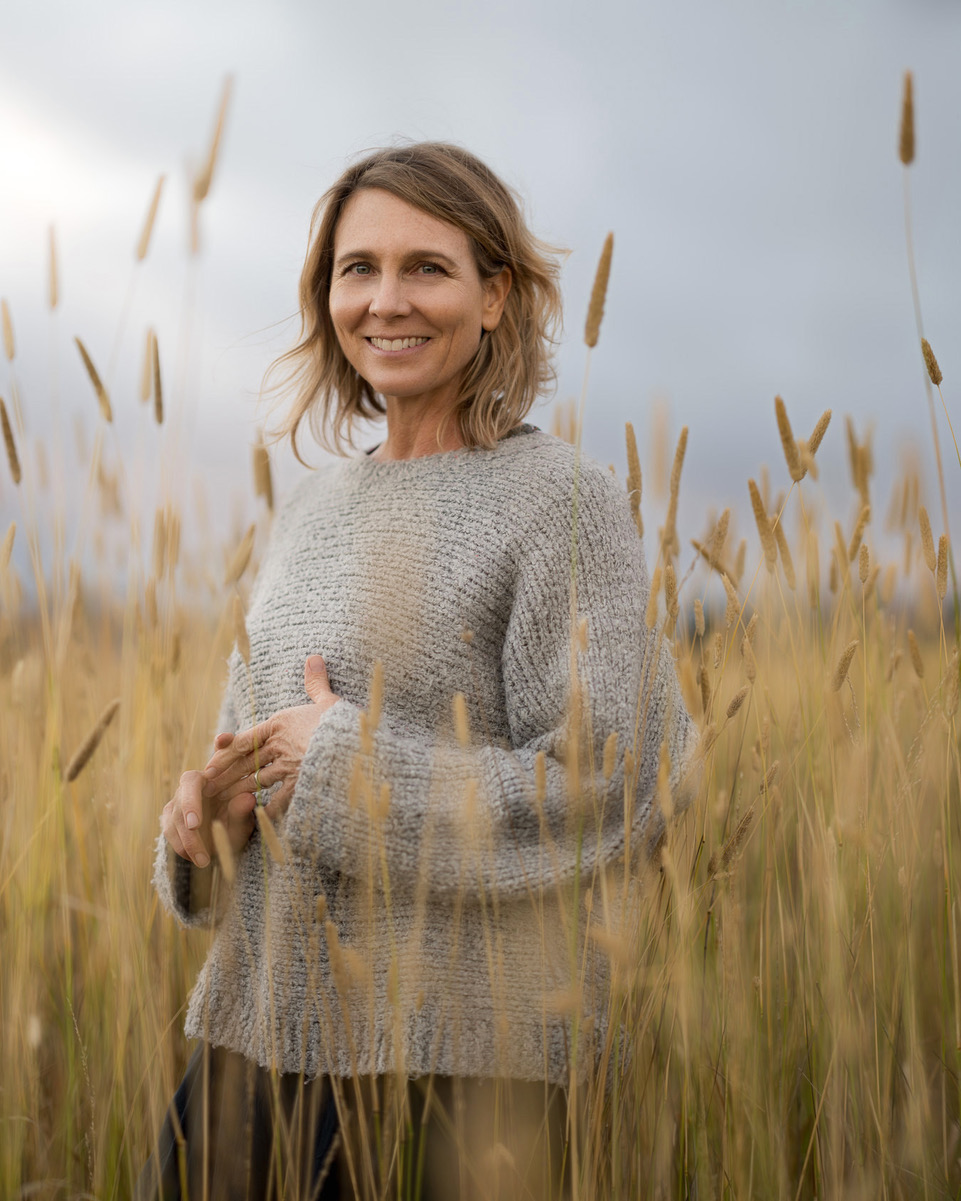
(742, 151)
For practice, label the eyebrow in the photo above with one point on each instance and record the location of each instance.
(414, 254)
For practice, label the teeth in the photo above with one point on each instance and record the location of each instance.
(397, 343)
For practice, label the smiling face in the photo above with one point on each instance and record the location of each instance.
(406, 299)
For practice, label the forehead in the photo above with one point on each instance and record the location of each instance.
(373, 219)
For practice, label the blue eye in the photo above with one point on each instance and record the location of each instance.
(359, 268)
(430, 269)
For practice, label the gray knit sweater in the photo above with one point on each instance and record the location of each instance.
(431, 910)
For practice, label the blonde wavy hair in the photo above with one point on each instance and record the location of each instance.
(514, 362)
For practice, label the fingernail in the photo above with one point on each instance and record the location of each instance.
(202, 860)
(192, 821)
(315, 663)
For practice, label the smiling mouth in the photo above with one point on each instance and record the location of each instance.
(396, 343)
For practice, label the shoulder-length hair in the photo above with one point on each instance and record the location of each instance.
(514, 362)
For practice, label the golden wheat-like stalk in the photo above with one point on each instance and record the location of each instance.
(595, 310)
(791, 453)
(650, 616)
(817, 434)
(737, 700)
(240, 558)
(699, 618)
(270, 835)
(461, 720)
(750, 663)
(768, 541)
(864, 563)
(143, 242)
(263, 483)
(610, 754)
(9, 346)
(906, 132)
(733, 609)
(942, 567)
(102, 398)
(934, 371)
(927, 538)
(863, 518)
(634, 477)
(784, 551)
(53, 275)
(225, 853)
(670, 540)
(240, 630)
(916, 661)
(12, 457)
(6, 546)
(158, 401)
(204, 177)
(86, 749)
(843, 665)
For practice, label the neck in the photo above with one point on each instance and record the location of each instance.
(412, 434)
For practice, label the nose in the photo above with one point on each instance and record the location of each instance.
(389, 298)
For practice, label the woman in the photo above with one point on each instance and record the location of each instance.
(453, 709)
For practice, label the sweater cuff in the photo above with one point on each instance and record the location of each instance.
(174, 880)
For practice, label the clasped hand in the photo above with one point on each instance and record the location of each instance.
(242, 766)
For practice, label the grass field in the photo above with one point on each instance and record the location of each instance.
(787, 967)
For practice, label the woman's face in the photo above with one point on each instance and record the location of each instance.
(406, 299)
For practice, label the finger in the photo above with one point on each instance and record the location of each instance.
(219, 779)
(191, 818)
(168, 828)
(223, 740)
(255, 782)
(316, 681)
(247, 741)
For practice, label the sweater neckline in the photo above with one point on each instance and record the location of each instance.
(441, 456)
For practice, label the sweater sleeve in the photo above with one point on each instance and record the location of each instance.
(180, 886)
(482, 819)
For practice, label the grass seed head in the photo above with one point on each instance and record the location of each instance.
(102, 398)
(927, 539)
(12, 457)
(791, 452)
(9, 346)
(240, 558)
(699, 618)
(595, 310)
(158, 402)
(817, 434)
(224, 852)
(863, 518)
(634, 477)
(263, 483)
(934, 371)
(610, 754)
(270, 835)
(705, 683)
(750, 663)
(768, 542)
(86, 749)
(942, 572)
(864, 563)
(651, 614)
(6, 546)
(737, 700)
(143, 244)
(906, 132)
(733, 610)
(785, 552)
(916, 661)
(204, 177)
(240, 630)
(843, 665)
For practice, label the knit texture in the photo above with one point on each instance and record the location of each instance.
(431, 913)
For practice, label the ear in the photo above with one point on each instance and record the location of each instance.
(495, 297)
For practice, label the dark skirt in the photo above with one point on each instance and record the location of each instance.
(236, 1131)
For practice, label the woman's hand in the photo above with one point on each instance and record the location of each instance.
(270, 753)
(188, 815)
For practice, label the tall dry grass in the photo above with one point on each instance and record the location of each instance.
(785, 970)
